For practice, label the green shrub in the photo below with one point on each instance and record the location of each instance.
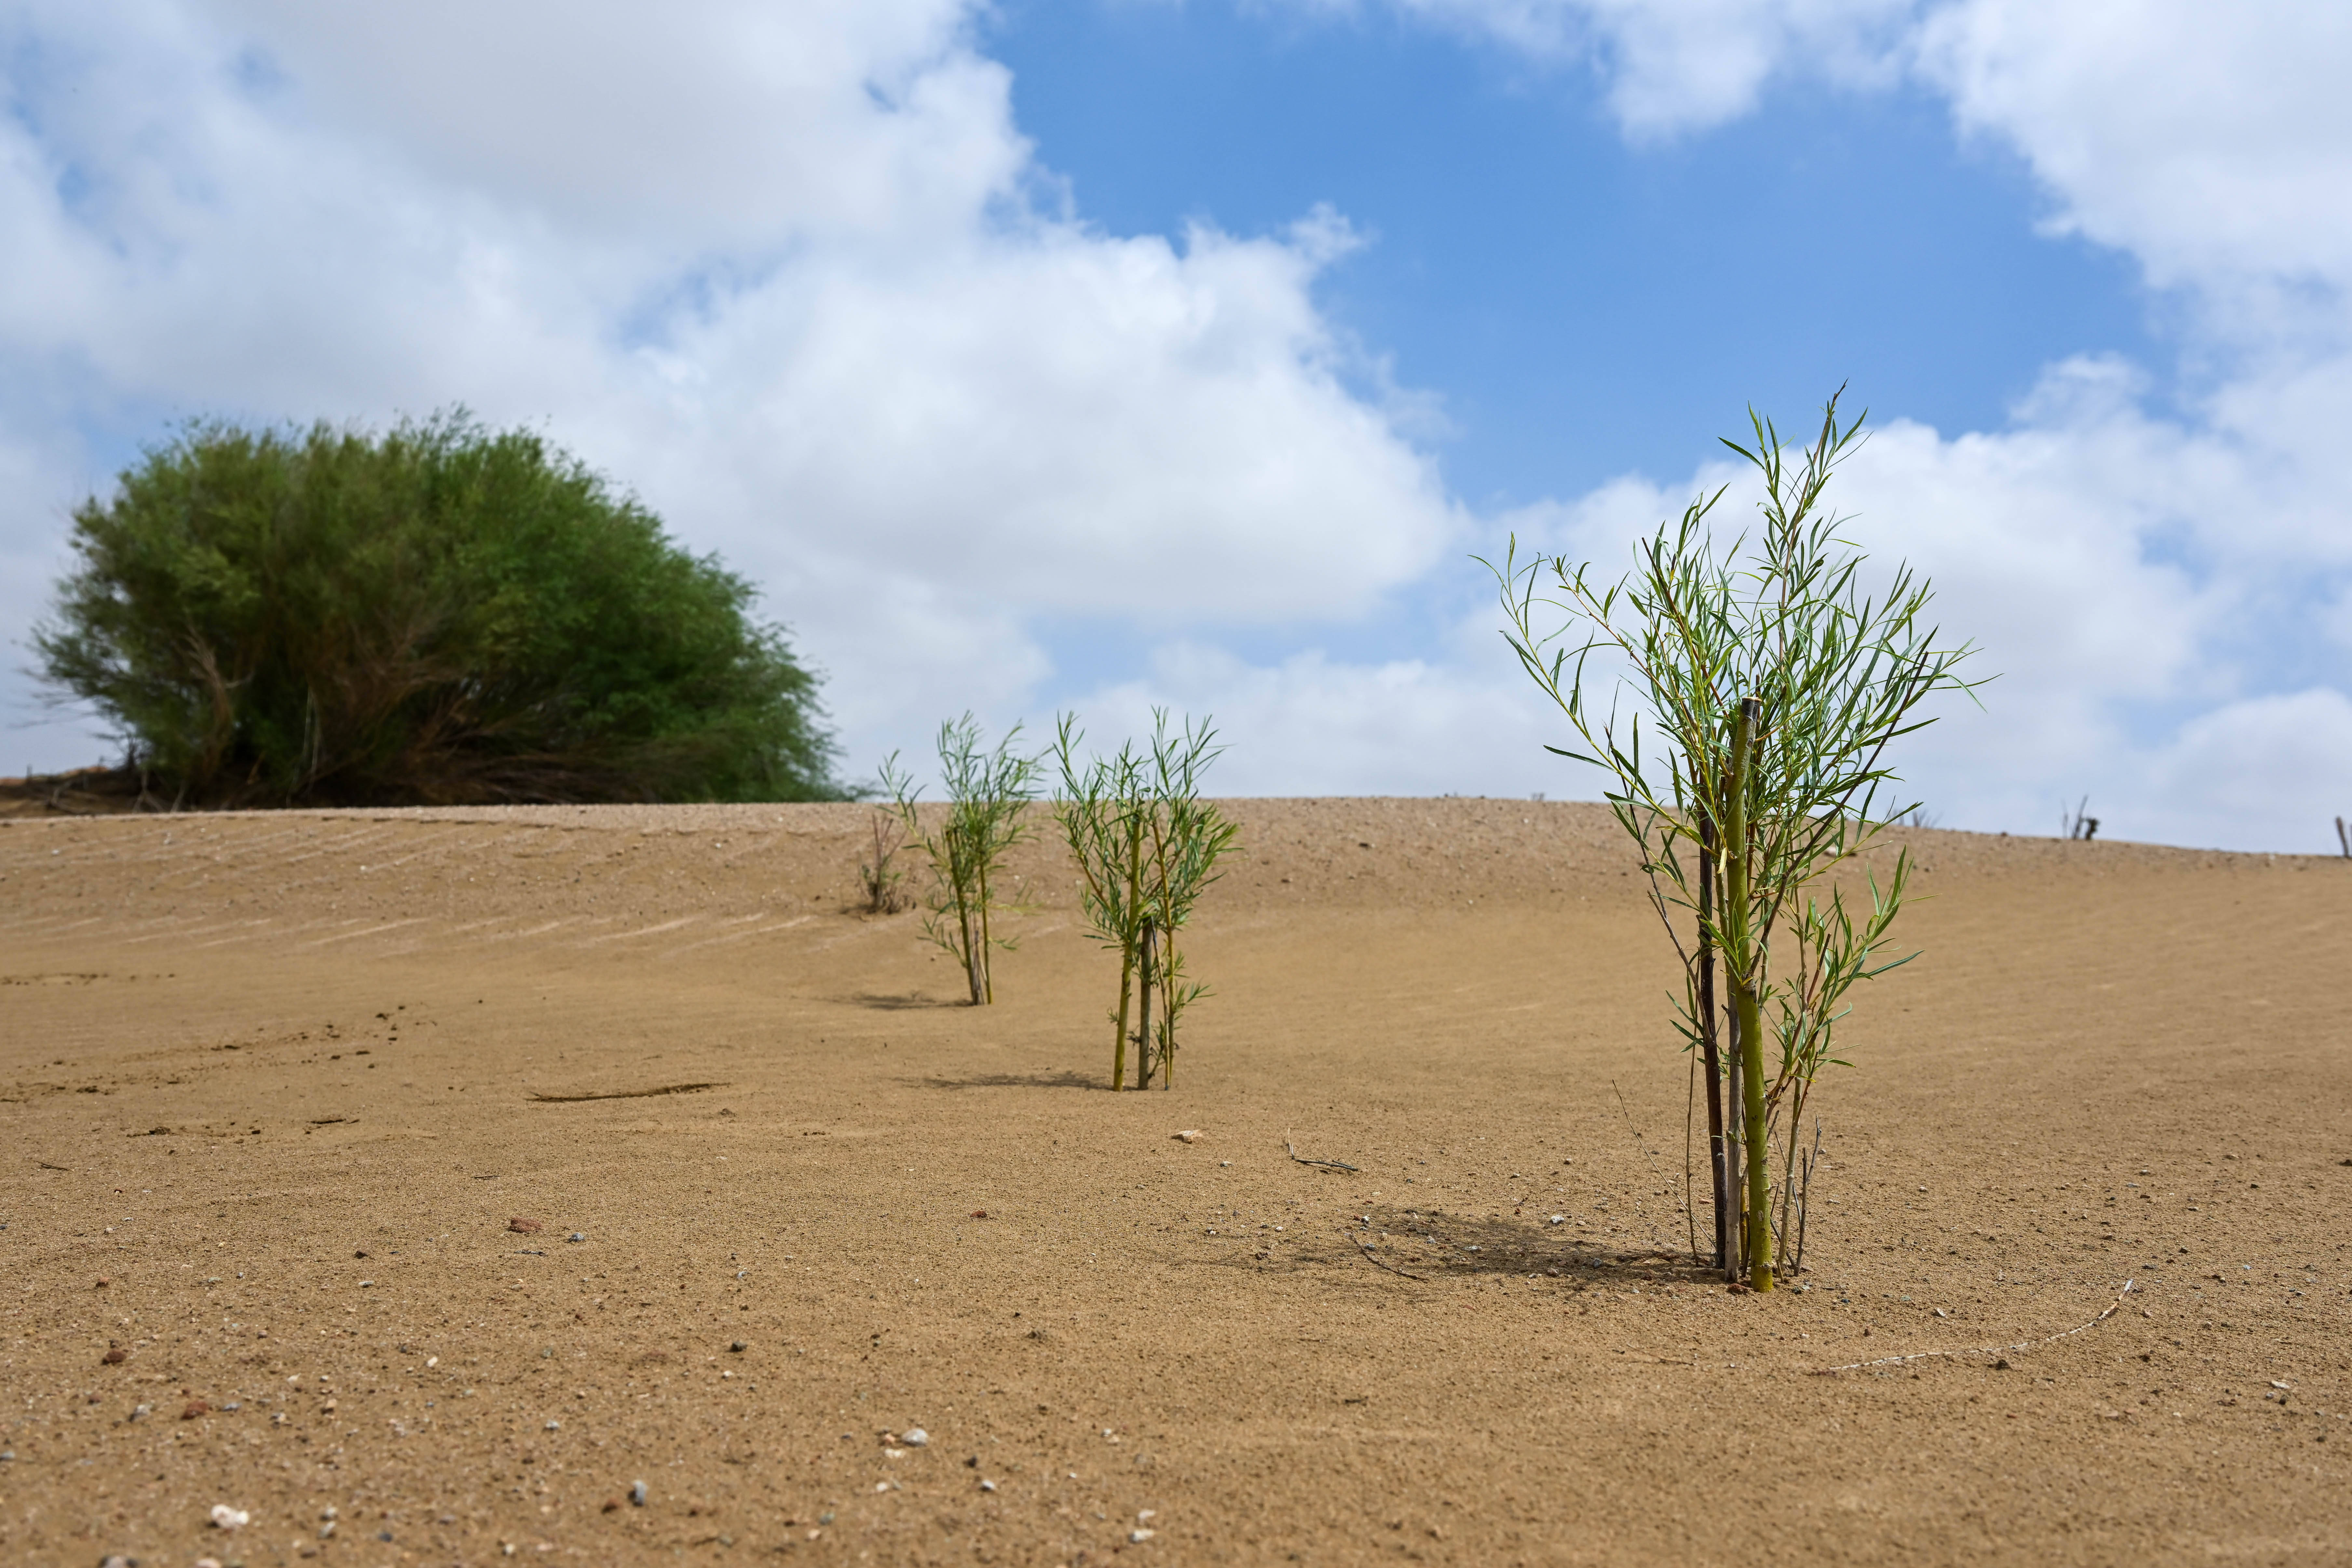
(444, 613)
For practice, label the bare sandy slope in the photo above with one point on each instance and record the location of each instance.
(275, 1085)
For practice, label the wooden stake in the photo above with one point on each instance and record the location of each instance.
(1148, 949)
(1748, 1002)
(1709, 1048)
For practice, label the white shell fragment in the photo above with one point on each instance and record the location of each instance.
(1138, 1537)
(914, 1437)
(227, 1518)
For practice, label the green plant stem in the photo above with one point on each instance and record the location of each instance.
(1125, 995)
(1745, 972)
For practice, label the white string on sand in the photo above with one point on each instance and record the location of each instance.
(1984, 1350)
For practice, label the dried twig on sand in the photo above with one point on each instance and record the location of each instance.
(1364, 1249)
(1985, 1349)
(1326, 1165)
(624, 1093)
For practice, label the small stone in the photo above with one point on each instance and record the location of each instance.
(577, 1236)
(115, 1356)
(1559, 1220)
(914, 1437)
(1138, 1537)
(195, 1407)
(207, 1563)
(102, 1283)
(555, 1425)
(739, 1347)
(1190, 1135)
(525, 1226)
(979, 1213)
(119, 1561)
(637, 1495)
(612, 1505)
(988, 1486)
(227, 1518)
(2001, 1365)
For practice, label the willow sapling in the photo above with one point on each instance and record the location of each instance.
(1147, 846)
(989, 793)
(1772, 685)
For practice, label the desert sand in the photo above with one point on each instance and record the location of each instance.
(277, 1088)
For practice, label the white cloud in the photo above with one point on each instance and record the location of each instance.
(789, 272)
(2264, 773)
(1669, 69)
(1311, 726)
(2214, 142)
(777, 268)
(2144, 582)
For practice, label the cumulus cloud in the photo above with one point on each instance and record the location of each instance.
(784, 269)
(1671, 69)
(2155, 589)
(795, 275)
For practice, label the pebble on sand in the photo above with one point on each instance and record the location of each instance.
(115, 1356)
(525, 1226)
(1190, 1135)
(227, 1518)
(637, 1495)
(914, 1437)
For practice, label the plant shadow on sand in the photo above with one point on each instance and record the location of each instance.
(912, 1002)
(1062, 1079)
(1430, 1244)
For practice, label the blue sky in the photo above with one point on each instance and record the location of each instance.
(1580, 305)
(1112, 352)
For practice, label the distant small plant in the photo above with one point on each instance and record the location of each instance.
(883, 881)
(2076, 824)
(988, 793)
(1147, 846)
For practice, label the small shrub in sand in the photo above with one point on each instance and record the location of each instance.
(985, 816)
(1147, 846)
(879, 875)
(1773, 684)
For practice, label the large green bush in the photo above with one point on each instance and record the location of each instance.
(443, 613)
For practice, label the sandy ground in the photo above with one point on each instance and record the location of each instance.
(273, 1087)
